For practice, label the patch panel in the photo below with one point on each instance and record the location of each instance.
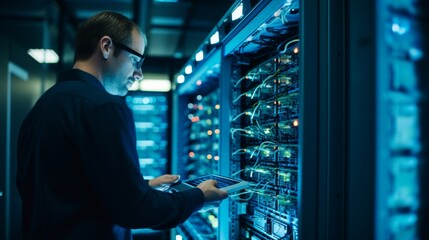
(288, 155)
(288, 131)
(287, 204)
(262, 111)
(264, 90)
(287, 83)
(255, 134)
(287, 106)
(288, 180)
(267, 199)
(260, 175)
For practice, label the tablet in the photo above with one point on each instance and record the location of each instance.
(224, 183)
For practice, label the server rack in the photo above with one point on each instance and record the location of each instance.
(402, 111)
(197, 140)
(151, 117)
(152, 122)
(247, 74)
(388, 143)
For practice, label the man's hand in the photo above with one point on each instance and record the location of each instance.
(211, 192)
(163, 180)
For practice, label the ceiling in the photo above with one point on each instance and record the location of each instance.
(175, 28)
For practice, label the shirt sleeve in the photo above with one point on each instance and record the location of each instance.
(111, 163)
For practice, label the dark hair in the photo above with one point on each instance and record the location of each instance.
(106, 23)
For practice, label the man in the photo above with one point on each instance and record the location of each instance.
(78, 172)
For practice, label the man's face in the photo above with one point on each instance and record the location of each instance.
(123, 71)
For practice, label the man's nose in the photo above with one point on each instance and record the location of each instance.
(138, 75)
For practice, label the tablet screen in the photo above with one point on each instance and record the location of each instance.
(222, 182)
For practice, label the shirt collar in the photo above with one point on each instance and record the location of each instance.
(79, 75)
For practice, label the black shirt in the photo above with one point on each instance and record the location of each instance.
(78, 170)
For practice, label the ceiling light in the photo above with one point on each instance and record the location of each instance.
(199, 56)
(237, 13)
(214, 38)
(155, 85)
(188, 69)
(180, 79)
(44, 55)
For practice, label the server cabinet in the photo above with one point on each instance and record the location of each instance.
(237, 103)
(387, 137)
(196, 139)
(151, 116)
(402, 114)
(152, 122)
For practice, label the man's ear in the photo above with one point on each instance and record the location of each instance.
(105, 44)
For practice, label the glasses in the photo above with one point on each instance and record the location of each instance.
(138, 64)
